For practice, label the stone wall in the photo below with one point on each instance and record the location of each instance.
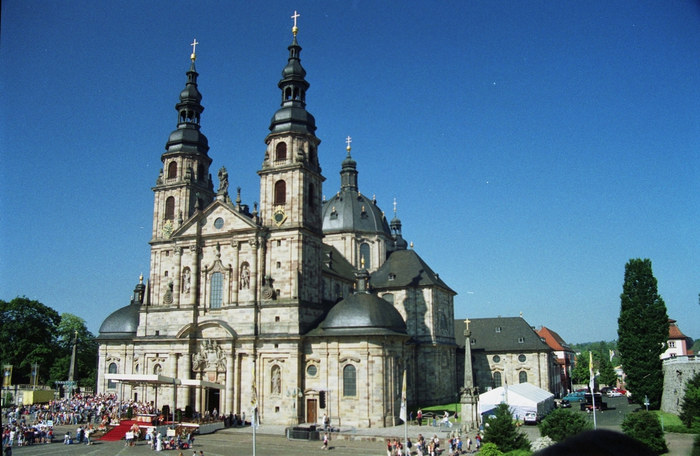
(677, 372)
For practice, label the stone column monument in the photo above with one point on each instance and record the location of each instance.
(469, 397)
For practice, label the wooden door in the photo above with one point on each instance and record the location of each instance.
(311, 415)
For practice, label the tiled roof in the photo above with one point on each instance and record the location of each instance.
(404, 268)
(504, 334)
(553, 339)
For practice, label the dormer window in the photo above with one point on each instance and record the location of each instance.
(498, 329)
(392, 277)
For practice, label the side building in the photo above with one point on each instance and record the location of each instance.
(507, 350)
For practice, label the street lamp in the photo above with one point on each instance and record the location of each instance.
(646, 402)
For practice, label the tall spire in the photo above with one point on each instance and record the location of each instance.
(187, 137)
(292, 116)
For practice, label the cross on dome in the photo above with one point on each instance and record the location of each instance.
(194, 49)
(348, 141)
(295, 29)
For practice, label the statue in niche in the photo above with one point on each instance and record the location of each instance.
(168, 296)
(245, 276)
(186, 281)
(276, 385)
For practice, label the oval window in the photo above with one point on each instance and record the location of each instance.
(496, 359)
(522, 358)
(312, 370)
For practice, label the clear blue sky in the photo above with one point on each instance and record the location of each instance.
(533, 147)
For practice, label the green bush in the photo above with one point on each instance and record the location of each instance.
(646, 427)
(490, 449)
(563, 423)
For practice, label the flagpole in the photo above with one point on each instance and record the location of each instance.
(404, 414)
(592, 386)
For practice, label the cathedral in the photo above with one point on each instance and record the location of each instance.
(298, 308)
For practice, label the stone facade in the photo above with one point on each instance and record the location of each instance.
(241, 306)
(677, 371)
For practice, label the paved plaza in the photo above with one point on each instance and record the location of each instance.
(271, 441)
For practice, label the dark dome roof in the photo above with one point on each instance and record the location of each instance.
(363, 313)
(351, 211)
(121, 324)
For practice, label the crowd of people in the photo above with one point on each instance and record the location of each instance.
(455, 445)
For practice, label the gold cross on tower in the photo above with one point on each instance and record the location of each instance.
(295, 29)
(194, 49)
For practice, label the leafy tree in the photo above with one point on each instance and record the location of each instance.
(34, 333)
(607, 371)
(646, 427)
(580, 374)
(69, 329)
(642, 332)
(562, 423)
(502, 431)
(690, 407)
(27, 336)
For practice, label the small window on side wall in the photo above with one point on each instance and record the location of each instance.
(281, 152)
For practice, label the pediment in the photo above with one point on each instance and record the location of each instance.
(218, 218)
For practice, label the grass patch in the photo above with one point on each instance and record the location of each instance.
(672, 423)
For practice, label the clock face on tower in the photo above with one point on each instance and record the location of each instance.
(279, 216)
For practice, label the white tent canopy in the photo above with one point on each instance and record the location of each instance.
(521, 398)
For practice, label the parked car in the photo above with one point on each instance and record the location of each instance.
(605, 389)
(565, 404)
(576, 396)
(614, 393)
(530, 418)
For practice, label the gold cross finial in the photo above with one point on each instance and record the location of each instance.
(394, 207)
(466, 322)
(295, 29)
(348, 141)
(194, 49)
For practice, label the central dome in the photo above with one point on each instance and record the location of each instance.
(363, 313)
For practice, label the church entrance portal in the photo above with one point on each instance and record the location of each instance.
(311, 416)
(213, 396)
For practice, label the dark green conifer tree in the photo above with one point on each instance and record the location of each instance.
(642, 332)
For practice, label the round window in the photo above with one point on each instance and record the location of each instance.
(312, 370)
(522, 358)
(496, 359)
(218, 223)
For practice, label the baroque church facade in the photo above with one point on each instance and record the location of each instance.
(299, 307)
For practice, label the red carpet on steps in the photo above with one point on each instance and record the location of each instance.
(117, 433)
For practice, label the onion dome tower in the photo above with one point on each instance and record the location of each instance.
(184, 184)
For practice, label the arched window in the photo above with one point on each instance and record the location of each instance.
(112, 369)
(364, 255)
(496, 379)
(349, 381)
(157, 369)
(522, 377)
(281, 152)
(216, 288)
(276, 380)
(280, 192)
(172, 170)
(170, 208)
